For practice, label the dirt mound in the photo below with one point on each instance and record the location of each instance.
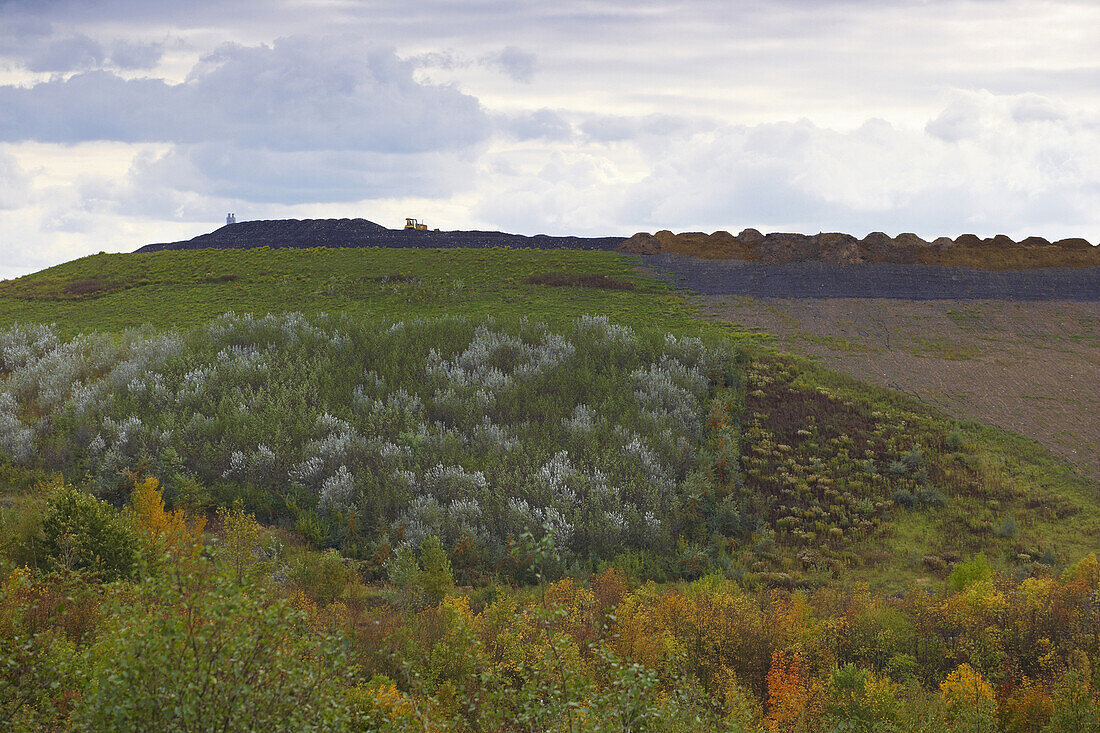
(304, 233)
(716, 246)
(835, 248)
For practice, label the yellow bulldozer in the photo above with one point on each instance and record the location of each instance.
(414, 224)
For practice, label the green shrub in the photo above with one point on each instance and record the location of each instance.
(194, 653)
(403, 571)
(240, 540)
(859, 701)
(954, 440)
(81, 532)
(969, 572)
(323, 576)
(21, 533)
(435, 579)
(1074, 707)
(1007, 528)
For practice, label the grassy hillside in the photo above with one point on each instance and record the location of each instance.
(112, 292)
(810, 478)
(417, 490)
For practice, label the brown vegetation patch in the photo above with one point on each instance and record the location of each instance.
(90, 286)
(577, 280)
(824, 470)
(229, 277)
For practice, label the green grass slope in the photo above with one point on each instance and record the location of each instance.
(803, 476)
(112, 292)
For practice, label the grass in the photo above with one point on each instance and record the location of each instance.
(941, 348)
(966, 318)
(179, 289)
(836, 343)
(998, 475)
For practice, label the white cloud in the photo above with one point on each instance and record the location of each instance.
(14, 183)
(136, 55)
(297, 94)
(262, 175)
(978, 167)
(593, 116)
(541, 124)
(518, 64)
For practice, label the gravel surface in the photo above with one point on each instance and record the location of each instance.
(912, 282)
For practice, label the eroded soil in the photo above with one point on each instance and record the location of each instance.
(1033, 368)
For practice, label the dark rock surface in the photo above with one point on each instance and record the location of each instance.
(304, 233)
(873, 280)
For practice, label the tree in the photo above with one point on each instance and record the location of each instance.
(435, 579)
(80, 532)
(163, 530)
(195, 652)
(240, 539)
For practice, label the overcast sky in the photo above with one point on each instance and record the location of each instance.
(124, 122)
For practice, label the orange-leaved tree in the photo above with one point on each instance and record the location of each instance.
(792, 693)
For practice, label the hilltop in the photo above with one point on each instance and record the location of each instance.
(306, 233)
(750, 246)
(379, 287)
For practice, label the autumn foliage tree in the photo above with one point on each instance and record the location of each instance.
(167, 531)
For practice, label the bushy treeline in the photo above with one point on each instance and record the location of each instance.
(372, 438)
(240, 631)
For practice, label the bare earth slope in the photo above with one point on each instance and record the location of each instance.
(1032, 368)
(814, 279)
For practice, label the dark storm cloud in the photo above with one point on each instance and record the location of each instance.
(298, 94)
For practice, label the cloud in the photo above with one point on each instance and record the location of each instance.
(66, 54)
(519, 65)
(14, 183)
(133, 55)
(298, 94)
(595, 116)
(616, 128)
(300, 121)
(543, 124)
(1034, 108)
(220, 171)
(516, 64)
(959, 121)
(976, 166)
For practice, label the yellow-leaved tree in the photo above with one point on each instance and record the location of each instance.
(167, 531)
(969, 699)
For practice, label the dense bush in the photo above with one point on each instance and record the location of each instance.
(195, 647)
(200, 653)
(474, 432)
(81, 532)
